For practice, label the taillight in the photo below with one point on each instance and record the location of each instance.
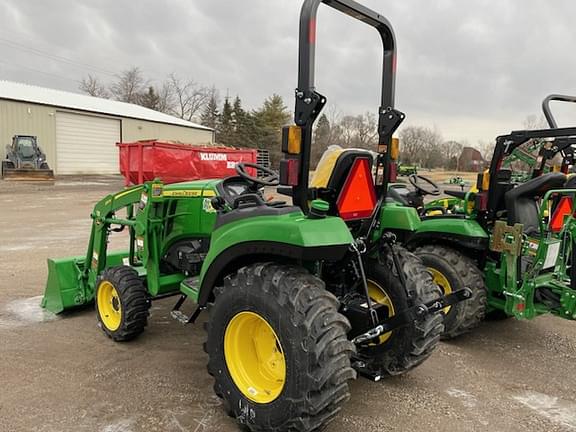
(289, 169)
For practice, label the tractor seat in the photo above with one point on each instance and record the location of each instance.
(332, 172)
(26, 151)
(334, 165)
(521, 202)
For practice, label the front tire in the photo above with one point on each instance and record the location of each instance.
(278, 349)
(406, 347)
(6, 165)
(453, 271)
(121, 303)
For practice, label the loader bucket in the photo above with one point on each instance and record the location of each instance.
(65, 287)
(29, 174)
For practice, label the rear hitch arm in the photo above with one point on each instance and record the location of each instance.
(413, 313)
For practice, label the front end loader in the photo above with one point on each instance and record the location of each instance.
(300, 297)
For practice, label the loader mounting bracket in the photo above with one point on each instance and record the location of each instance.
(507, 238)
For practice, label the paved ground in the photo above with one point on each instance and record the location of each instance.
(61, 374)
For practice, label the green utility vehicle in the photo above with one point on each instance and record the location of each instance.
(510, 241)
(299, 297)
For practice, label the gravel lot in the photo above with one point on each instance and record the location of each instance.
(60, 374)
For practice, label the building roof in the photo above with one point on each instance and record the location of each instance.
(58, 98)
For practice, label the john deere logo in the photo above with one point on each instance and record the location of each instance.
(213, 156)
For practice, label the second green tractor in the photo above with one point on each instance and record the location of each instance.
(510, 239)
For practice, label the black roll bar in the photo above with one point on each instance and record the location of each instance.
(546, 107)
(307, 53)
(309, 103)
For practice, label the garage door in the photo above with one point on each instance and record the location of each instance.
(86, 144)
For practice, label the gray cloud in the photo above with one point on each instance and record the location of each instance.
(472, 69)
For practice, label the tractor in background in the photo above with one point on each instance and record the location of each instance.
(511, 237)
(25, 160)
(407, 170)
(300, 297)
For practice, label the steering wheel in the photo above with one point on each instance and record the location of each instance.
(417, 180)
(271, 179)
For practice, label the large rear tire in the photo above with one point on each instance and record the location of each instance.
(453, 271)
(122, 303)
(278, 349)
(405, 348)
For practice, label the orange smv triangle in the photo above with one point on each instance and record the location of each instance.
(358, 197)
(563, 209)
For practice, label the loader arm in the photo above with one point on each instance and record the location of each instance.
(71, 280)
(104, 215)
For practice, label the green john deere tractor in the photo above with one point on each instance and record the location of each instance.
(509, 239)
(299, 297)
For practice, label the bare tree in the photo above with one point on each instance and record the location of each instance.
(451, 151)
(334, 116)
(533, 121)
(165, 98)
(366, 131)
(486, 148)
(348, 130)
(91, 85)
(421, 145)
(129, 86)
(188, 97)
(359, 131)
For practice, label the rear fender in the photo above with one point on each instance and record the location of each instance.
(286, 238)
(462, 232)
(397, 217)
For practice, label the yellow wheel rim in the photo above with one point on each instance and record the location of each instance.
(379, 295)
(254, 357)
(109, 306)
(442, 282)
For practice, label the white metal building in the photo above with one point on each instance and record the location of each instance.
(79, 133)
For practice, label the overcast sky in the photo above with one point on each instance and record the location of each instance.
(472, 69)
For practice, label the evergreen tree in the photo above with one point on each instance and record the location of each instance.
(269, 120)
(210, 114)
(225, 129)
(246, 129)
(237, 110)
(274, 113)
(150, 99)
(321, 139)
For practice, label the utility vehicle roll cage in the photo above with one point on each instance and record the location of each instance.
(309, 102)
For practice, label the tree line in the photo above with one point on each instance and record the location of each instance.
(234, 125)
(184, 98)
(427, 148)
(237, 126)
